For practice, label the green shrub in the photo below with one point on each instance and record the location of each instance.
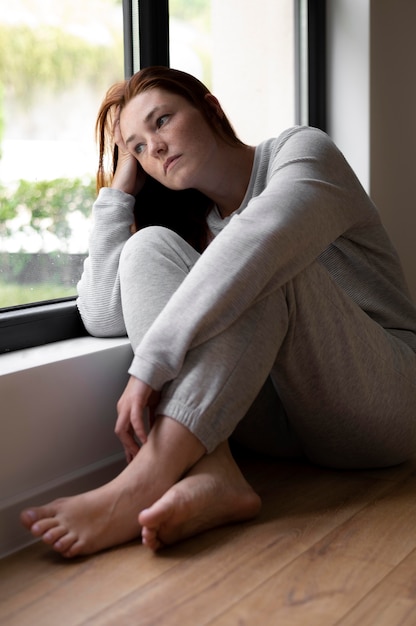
(47, 205)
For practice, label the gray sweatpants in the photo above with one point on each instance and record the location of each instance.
(303, 371)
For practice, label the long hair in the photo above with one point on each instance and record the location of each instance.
(184, 211)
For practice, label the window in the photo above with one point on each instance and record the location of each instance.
(57, 60)
(68, 53)
(245, 53)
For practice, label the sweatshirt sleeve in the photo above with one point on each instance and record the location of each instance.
(311, 198)
(99, 300)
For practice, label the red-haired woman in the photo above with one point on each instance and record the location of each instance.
(263, 301)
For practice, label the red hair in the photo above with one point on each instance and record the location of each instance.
(184, 212)
(174, 81)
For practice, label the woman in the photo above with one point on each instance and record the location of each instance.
(262, 299)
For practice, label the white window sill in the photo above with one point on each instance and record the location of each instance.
(58, 351)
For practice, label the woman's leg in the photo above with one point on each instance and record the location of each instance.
(347, 386)
(213, 493)
(349, 393)
(276, 437)
(346, 397)
(222, 378)
(335, 370)
(153, 264)
(108, 516)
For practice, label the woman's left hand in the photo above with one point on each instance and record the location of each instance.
(131, 409)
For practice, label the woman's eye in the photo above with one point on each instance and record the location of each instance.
(161, 120)
(138, 149)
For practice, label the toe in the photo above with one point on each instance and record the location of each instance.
(28, 517)
(144, 517)
(66, 544)
(52, 535)
(150, 538)
(148, 534)
(42, 526)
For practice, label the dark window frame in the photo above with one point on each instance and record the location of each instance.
(46, 322)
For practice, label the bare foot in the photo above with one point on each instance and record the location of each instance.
(106, 517)
(212, 494)
(88, 522)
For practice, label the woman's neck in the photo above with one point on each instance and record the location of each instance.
(233, 173)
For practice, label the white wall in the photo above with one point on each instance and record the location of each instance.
(393, 123)
(372, 107)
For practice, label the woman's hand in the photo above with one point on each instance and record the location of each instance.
(129, 175)
(131, 421)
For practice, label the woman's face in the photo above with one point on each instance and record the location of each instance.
(170, 139)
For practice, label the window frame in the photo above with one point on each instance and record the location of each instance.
(37, 324)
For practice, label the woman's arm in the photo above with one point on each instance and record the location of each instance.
(99, 300)
(312, 198)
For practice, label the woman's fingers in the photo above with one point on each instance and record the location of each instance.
(131, 422)
(129, 175)
(125, 433)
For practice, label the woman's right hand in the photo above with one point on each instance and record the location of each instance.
(131, 423)
(129, 175)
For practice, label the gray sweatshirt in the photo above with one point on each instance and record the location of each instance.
(303, 203)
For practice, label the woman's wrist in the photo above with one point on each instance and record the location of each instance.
(114, 198)
(120, 183)
(128, 177)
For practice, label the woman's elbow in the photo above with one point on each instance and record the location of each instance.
(102, 323)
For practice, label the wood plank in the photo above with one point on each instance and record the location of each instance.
(68, 592)
(322, 584)
(392, 601)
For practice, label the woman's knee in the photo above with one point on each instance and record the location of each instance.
(143, 242)
(154, 244)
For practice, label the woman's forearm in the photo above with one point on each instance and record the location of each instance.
(99, 299)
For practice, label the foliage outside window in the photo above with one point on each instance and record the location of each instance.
(56, 61)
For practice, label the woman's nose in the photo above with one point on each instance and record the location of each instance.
(157, 147)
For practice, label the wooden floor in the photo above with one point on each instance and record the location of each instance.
(328, 548)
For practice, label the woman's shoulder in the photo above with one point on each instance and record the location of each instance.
(296, 144)
(295, 136)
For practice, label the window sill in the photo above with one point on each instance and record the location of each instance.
(51, 353)
(39, 324)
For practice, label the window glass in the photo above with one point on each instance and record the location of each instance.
(56, 61)
(245, 53)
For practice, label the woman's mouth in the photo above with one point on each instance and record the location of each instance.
(169, 163)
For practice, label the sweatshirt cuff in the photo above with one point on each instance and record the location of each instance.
(108, 195)
(150, 373)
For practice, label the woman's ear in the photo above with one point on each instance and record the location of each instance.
(214, 105)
